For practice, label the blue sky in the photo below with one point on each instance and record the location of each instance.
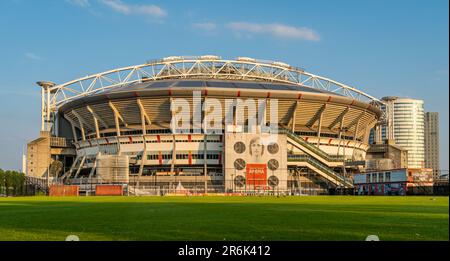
(381, 47)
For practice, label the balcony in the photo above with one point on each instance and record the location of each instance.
(60, 142)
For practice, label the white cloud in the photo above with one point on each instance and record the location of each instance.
(276, 30)
(152, 10)
(33, 56)
(441, 74)
(80, 3)
(86, 4)
(117, 6)
(126, 9)
(207, 26)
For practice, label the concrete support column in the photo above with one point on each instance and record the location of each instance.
(174, 153)
(81, 122)
(319, 129)
(144, 119)
(205, 149)
(117, 116)
(294, 115)
(261, 120)
(341, 126)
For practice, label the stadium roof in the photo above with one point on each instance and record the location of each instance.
(252, 75)
(229, 84)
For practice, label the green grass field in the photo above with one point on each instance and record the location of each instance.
(224, 218)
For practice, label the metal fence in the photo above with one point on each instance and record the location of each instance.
(227, 189)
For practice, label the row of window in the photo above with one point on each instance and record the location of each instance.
(179, 156)
(151, 141)
(165, 131)
(327, 135)
(133, 132)
(378, 177)
(137, 132)
(127, 142)
(168, 141)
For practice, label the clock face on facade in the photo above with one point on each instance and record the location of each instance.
(273, 181)
(239, 164)
(273, 164)
(239, 147)
(273, 148)
(239, 181)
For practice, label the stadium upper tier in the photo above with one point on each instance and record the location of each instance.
(301, 109)
(206, 67)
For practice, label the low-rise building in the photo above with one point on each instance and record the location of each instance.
(394, 182)
(386, 156)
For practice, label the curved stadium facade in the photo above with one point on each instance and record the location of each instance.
(204, 123)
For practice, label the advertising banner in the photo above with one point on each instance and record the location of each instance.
(255, 162)
(257, 174)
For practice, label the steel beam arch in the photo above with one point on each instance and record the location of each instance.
(204, 67)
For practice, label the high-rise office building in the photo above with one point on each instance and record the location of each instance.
(432, 142)
(405, 124)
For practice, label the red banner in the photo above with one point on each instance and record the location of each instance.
(109, 190)
(256, 174)
(63, 190)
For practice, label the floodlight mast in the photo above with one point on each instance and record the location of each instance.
(45, 103)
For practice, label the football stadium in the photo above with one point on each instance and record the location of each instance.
(203, 125)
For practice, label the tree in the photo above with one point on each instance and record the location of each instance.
(7, 181)
(2, 182)
(18, 180)
(12, 181)
(21, 182)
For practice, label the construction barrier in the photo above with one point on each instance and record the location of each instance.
(109, 190)
(63, 190)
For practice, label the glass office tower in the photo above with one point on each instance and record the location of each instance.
(406, 125)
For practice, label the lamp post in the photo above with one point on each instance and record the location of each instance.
(299, 182)
(232, 183)
(45, 115)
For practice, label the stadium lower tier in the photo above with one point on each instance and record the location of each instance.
(231, 162)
